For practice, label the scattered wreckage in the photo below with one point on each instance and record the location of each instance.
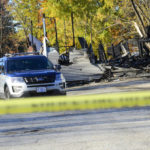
(127, 64)
(123, 64)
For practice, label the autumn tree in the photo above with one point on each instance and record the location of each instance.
(7, 29)
(25, 12)
(108, 21)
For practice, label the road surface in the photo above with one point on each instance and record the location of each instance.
(110, 129)
(115, 129)
(111, 87)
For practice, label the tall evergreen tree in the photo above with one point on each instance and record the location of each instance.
(7, 29)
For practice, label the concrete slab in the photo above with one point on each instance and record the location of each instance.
(81, 68)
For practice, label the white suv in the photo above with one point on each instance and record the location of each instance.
(22, 74)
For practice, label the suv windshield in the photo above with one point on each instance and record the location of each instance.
(33, 63)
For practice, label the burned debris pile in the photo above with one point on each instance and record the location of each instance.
(126, 62)
(128, 59)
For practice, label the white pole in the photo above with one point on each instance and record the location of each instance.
(44, 47)
(44, 39)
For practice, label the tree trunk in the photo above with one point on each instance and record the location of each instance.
(142, 13)
(139, 17)
(1, 28)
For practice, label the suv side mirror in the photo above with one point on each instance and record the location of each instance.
(57, 67)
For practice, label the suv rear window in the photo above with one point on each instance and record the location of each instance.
(23, 64)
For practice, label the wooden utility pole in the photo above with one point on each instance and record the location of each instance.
(85, 31)
(91, 21)
(72, 20)
(57, 44)
(65, 36)
(32, 34)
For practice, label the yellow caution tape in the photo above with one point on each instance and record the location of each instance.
(64, 103)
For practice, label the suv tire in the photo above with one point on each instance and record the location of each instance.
(7, 93)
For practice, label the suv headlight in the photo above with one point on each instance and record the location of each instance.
(17, 80)
(60, 77)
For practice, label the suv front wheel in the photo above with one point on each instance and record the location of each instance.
(7, 93)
